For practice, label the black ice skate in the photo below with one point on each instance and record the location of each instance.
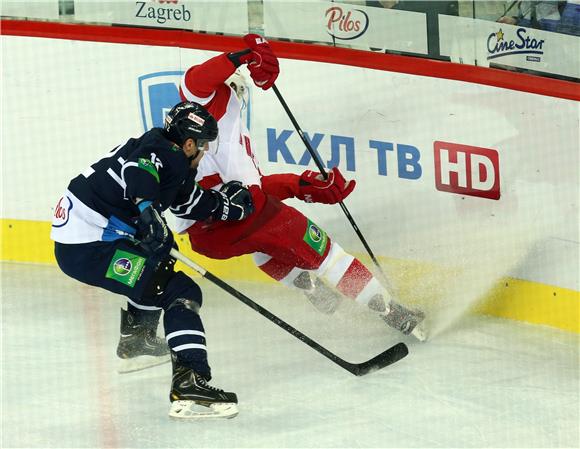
(399, 317)
(318, 293)
(193, 398)
(139, 347)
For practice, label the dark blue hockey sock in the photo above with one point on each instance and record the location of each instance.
(184, 330)
(185, 336)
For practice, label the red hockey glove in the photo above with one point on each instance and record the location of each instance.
(313, 188)
(261, 60)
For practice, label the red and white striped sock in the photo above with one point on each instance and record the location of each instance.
(349, 276)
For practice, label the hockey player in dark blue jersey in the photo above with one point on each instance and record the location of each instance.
(110, 232)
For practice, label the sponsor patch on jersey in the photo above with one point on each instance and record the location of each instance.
(126, 267)
(316, 238)
(148, 166)
(195, 118)
(62, 212)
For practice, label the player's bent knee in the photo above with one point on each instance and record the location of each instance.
(182, 287)
(336, 257)
(185, 303)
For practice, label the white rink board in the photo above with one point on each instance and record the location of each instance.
(67, 103)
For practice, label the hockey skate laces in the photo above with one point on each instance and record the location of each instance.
(201, 380)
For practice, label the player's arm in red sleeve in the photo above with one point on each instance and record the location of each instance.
(282, 186)
(310, 186)
(201, 81)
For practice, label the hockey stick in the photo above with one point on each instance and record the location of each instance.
(324, 173)
(388, 357)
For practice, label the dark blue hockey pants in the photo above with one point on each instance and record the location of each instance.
(122, 267)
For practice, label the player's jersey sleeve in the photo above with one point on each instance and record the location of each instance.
(282, 186)
(192, 201)
(155, 172)
(204, 84)
(141, 178)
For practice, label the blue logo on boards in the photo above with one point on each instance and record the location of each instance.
(159, 92)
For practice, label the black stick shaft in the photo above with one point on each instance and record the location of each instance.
(313, 153)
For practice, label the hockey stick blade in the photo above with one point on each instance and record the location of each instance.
(390, 356)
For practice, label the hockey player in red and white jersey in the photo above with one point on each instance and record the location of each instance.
(284, 243)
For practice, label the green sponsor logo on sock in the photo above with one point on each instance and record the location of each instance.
(126, 267)
(316, 238)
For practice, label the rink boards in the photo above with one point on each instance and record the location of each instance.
(460, 183)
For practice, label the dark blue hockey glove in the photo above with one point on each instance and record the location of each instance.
(235, 202)
(154, 234)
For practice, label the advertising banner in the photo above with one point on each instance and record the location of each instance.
(353, 25)
(226, 16)
(481, 42)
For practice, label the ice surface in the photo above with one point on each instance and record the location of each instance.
(484, 382)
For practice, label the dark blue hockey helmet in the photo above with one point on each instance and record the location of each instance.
(190, 120)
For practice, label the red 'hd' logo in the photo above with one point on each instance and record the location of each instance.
(467, 170)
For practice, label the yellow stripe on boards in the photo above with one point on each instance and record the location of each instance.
(29, 241)
(535, 303)
(26, 241)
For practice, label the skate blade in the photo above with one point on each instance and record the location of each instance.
(193, 410)
(419, 332)
(141, 362)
